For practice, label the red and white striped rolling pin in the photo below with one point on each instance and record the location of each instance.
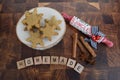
(86, 29)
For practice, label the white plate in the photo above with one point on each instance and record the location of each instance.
(48, 13)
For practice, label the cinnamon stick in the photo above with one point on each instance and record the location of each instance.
(82, 48)
(75, 37)
(83, 56)
(88, 47)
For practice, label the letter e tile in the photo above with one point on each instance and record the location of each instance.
(46, 59)
(79, 68)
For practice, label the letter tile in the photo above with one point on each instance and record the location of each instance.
(46, 59)
(54, 59)
(62, 60)
(21, 64)
(37, 60)
(29, 61)
(71, 63)
(79, 68)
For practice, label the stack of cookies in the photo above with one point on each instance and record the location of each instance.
(32, 22)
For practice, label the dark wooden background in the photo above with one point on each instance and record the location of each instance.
(104, 13)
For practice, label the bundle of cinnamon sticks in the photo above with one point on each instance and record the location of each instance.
(87, 53)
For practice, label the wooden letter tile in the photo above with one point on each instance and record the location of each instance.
(71, 63)
(79, 68)
(62, 60)
(46, 59)
(20, 64)
(54, 59)
(29, 61)
(37, 60)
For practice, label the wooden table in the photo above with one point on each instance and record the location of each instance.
(104, 13)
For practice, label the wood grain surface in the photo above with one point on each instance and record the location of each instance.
(104, 13)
